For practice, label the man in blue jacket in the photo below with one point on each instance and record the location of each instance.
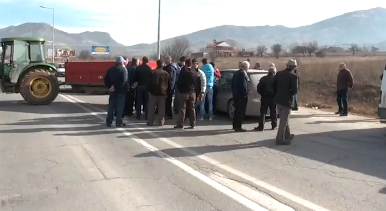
(209, 74)
(116, 81)
(171, 68)
(239, 88)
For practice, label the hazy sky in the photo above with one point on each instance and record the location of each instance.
(131, 22)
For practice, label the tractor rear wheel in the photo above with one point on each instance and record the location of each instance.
(39, 87)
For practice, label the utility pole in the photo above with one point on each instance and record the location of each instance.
(159, 31)
(53, 31)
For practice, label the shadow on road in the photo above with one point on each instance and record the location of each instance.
(360, 152)
(21, 106)
(383, 190)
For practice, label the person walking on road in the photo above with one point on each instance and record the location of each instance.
(285, 86)
(265, 89)
(345, 80)
(116, 81)
(187, 87)
(171, 68)
(158, 87)
(141, 77)
(180, 64)
(208, 97)
(240, 91)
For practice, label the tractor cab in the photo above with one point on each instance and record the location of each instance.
(18, 54)
(24, 70)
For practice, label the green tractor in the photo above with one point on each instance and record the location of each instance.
(24, 70)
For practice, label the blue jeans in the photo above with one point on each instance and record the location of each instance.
(295, 101)
(208, 97)
(176, 103)
(116, 103)
(342, 100)
(142, 100)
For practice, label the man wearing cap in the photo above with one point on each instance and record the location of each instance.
(265, 89)
(116, 81)
(285, 86)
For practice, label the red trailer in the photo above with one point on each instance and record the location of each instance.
(88, 76)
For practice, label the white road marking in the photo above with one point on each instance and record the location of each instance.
(233, 171)
(223, 189)
(262, 199)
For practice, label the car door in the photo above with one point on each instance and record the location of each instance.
(224, 92)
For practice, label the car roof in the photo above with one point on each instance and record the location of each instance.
(249, 70)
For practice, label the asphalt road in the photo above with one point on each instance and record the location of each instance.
(61, 157)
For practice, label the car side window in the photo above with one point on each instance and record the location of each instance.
(226, 77)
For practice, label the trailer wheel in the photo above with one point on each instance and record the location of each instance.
(39, 87)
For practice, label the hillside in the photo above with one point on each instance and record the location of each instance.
(84, 39)
(362, 27)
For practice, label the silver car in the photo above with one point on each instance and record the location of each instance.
(224, 98)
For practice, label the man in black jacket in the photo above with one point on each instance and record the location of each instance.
(285, 86)
(116, 81)
(240, 91)
(187, 87)
(130, 96)
(141, 76)
(265, 89)
(171, 69)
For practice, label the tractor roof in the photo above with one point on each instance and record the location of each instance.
(26, 39)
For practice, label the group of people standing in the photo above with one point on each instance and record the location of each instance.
(192, 87)
(152, 91)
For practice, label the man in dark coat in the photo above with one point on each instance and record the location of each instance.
(240, 91)
(141, 76)
(345, 80)
(130, 97)
(158, 87)
(171, 68)
(285, 86)
(180, 64)
(265, 89)
(187, 85)
(116, 81)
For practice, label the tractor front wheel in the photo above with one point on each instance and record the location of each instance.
(39, 87)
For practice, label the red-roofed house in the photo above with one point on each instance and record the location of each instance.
(221, 49)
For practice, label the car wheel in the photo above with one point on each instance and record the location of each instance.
(231, 108)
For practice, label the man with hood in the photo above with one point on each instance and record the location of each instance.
(285, 86)
(171, 68)
(116, 81)
(265, 89)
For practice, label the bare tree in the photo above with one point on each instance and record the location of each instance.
(374, 49)
(312, 47)
(84, 54)
(276, 49)
(177, 48)
(261, 50)
(354, 48)
(300, 48)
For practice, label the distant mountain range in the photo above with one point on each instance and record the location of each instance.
(360, 27)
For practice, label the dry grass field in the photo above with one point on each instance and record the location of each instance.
(318, 80)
